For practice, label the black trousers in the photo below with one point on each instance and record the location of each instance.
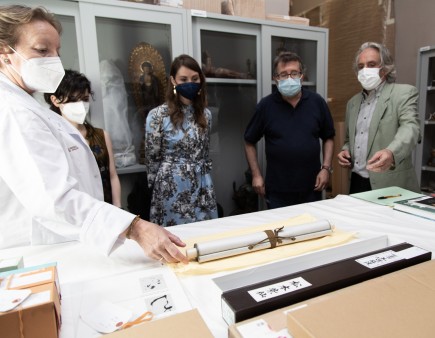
(359, 184)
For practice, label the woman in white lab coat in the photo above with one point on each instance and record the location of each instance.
(50, 185)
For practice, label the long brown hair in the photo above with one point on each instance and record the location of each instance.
(173, 100)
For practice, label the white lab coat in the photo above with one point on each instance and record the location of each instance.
(50, 184)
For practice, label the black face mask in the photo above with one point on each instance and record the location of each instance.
(189, 90)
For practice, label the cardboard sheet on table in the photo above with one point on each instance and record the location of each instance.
(263, 256)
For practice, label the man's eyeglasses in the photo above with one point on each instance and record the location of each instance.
(284, 76)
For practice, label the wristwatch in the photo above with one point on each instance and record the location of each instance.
(326, 167)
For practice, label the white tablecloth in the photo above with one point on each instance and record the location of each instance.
(77, 262)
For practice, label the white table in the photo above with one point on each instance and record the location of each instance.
(77, 262)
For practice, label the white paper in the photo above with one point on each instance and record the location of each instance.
(106, 317)
(9, 299)
(379, 259)
(156, 290)
(278, 289)
(198, 12)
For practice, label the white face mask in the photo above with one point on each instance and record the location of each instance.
(369, 78)
(41, 74)
(75, 111)
(289, 87)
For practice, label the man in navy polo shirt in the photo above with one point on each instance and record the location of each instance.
(292, 120)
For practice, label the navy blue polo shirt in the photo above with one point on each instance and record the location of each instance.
(292, 138)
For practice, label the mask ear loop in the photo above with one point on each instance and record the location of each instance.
(17, 53)
(8, 61)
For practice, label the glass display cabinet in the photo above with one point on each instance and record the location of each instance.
(125, 48)
(237, 56)
(128, 48)
(425, 151)
(128, 51)
(309, 43)
(229, 53)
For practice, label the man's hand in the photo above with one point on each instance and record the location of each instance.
(158, 243)
(322, 180)
(344, 159)
(258, 185)
(381, 161)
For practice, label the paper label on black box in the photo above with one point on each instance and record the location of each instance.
(278, 289)
(412, 252)
(379, 259)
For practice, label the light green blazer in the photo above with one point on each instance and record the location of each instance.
(395, 126)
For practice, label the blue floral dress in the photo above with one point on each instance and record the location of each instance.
(178, 168)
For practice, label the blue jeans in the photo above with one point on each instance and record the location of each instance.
(284, 199)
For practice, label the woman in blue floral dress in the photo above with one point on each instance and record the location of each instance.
(177, 139)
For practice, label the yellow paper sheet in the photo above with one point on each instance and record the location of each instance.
(263, 256)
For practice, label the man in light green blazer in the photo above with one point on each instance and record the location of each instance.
(382, 125)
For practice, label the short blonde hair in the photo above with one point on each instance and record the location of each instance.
(12, 17)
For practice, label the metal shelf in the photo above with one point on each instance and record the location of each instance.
(231, 81)
(428, 168)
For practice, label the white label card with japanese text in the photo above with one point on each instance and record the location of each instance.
(278, 289)
(379, 259)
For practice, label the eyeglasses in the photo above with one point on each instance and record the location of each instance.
(284, 76)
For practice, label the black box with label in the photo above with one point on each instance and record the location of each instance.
(253, 300)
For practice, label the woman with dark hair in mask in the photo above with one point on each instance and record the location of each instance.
(71, 100)
(177, 140)
(50, 185)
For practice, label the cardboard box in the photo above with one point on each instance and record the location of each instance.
(397, 305)
(187, 324)
(38, 316)
(244, 8)
(253, 300)
(294, 20)
(213, 6)
(340, 176)
(421, 275)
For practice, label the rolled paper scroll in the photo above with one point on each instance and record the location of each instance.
(232, 246)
